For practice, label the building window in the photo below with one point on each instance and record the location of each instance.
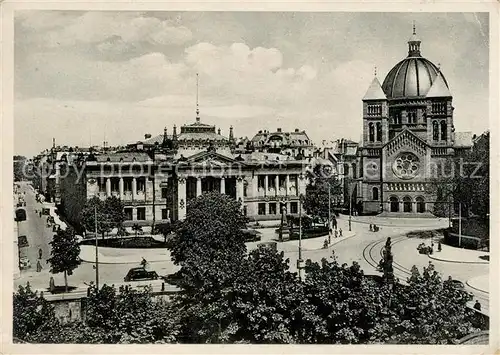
(164, 192)
(294, 207)
(371, 132)
(115, 185)
(128, 214)
(407, 204)
(141, 184)
(164, 213)
(420, 204)
(282, 181)
(272, 208)
(394, 204)
(261, 181)
(141, 213)
(412, 116)
(443, 131)
(435, 131)
(439, 107)
(354, 171)
(261, 209)
(379, 132)
(102, 184)
(127, 184)
(375, 193)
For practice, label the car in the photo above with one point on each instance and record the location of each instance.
(20, 215)
(458, 284)
(22, 241)
(24, 263)
(140, 274)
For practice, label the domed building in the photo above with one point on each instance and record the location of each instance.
(408, 131)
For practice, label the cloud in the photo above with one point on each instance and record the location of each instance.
(97, 27)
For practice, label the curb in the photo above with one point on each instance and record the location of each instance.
(458, 261)
(330, 246)
(475, 288)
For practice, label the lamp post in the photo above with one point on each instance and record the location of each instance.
(460, 224)
(329, 209)
(300, 262)
(96, 252)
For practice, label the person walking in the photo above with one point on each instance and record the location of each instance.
(340, 232)
(40, 253)
(477, 305)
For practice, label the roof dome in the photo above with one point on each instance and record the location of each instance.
(413, 76)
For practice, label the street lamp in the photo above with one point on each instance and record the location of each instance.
(300, 262)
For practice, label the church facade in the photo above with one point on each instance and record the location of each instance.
(408, 131)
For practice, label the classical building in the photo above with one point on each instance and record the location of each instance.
(408, 131)
(156, 178)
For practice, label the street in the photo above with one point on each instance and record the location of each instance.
(364, 248)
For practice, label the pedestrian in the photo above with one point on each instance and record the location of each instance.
(371, 228)
(334, 223)
(38, 266)
(336, 233)
(439, 246)
(325, 244)
(477, 305)
(329, 238)
(340, 232)
(40, 252)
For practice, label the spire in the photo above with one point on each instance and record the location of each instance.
(197, 95)
(165, 136)
(414, 44)
(231, 135)
(174, 133)
(375, 91)
(439, 87)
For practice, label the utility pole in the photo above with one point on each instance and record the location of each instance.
(329, 209)
(300, 262)
(460, 224)
(350, 206)
(96, 252)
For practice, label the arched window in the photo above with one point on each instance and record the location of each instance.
(371, 132)
(443, 131)
(394, 204)
(420, 204)
(354, 171)
(435, 131)
(379, 132)
(375, 193)
(407, 204)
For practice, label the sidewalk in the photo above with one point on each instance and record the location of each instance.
(480, 283)
(123, 255)
(459, 255)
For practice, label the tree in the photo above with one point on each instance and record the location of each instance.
(213, 224)
(19, 166)
(65, 254)
(316, 201)
(32, 314)
(109, 215)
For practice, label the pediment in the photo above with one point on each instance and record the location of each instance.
(406, 139)
(212, 159)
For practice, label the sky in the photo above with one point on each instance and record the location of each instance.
(86, 77)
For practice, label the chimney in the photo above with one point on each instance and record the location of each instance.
(279, 130)
(147, 136)
(296, 130)
(218, 131)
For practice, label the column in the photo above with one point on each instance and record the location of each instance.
(302, 184)
(134, 188)
(287, 184)
(181, 198)
(266, 184)
(239, 189)
(134, 214)
(401, 207)
(120, 185)
(198, 186)
(108, 187)
(277, 184)
(255, 186)
(222, 185)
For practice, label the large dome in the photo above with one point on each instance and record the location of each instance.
(411, 77)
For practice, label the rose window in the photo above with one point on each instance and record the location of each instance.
(406, 166)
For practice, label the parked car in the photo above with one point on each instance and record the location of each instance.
(20, 215)
(251, 235)
(22, 241)
(140, 274)
(24, 263)
(458, 284)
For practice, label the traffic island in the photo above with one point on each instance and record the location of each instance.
(459, 255)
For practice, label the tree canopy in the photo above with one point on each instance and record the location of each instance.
(316, 200)
(65, 253)
(110, 214)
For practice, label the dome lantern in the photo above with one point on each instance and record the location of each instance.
(414, 44)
